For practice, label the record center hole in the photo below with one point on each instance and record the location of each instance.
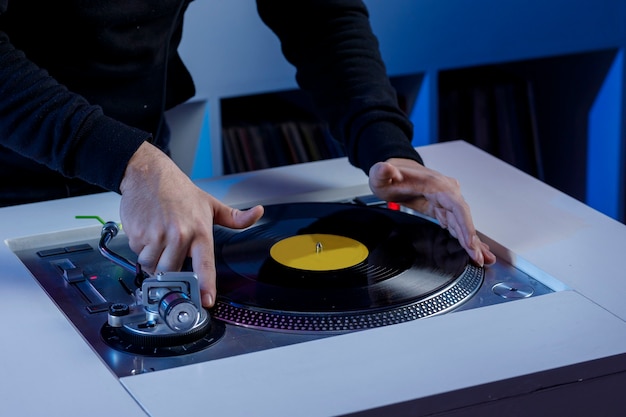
(319, 252)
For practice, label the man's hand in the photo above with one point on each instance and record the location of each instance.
(433, 194)
(168, 218)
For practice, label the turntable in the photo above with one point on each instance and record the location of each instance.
(306, 271)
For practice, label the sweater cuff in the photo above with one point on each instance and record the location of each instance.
(381, 141)
(102, 156)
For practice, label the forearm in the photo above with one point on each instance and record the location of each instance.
(337, 59)
(42, 120)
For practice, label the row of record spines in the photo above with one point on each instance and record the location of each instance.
(497, 113)
(252, 147)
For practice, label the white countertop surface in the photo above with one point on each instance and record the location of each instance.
(48, 369)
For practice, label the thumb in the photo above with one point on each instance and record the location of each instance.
(235, 218)
(384, 173)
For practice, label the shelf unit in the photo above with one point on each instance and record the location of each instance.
(571, 51)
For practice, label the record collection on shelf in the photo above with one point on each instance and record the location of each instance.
(270, 144)
(274, 129)
(493, 110)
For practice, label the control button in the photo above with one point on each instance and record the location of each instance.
(78, 248)
(60, 251)
(512, 290)
(51, 252)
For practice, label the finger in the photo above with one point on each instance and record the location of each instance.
(382, 173)
(470, 241)
(149, 256)
(203, 263)
(441, 216)
(458, 217)
(235, 218)
(172, 258)
(135, 245)
(476, 251)
(387, 182)
(489, 257)
(202, 253)
(460, 225)
(471, 244)
(453, 228)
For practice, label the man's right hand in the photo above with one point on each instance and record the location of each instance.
(167, 218)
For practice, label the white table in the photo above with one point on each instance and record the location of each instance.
(562, 350)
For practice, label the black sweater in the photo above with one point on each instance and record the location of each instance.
(84, 83)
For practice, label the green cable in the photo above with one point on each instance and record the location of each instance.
(96, 218)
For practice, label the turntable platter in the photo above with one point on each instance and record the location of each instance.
(393, 267)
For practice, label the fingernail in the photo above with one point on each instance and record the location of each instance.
(207, 300)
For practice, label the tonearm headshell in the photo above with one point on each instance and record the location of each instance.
(166, 317)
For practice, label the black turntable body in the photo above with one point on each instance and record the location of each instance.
(305, 271)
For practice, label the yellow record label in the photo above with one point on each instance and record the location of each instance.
(318, 252)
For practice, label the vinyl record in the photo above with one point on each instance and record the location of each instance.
(409, 259)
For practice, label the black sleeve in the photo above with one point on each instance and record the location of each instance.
(41, 120)
(336, 55)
